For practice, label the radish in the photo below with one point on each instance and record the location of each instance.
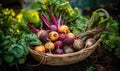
(42, 34)
(58, 44)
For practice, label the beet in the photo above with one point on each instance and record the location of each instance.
(62, 36)
(78, 44)
(59, 51)
(53, 28)
(42, 35)
(68, 49)
(69, 40)
(58, 44)
(90, 42)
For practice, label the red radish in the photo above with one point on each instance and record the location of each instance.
(49, 46)
(58, 44)
(58, 51)
(62, 36)
(63, 29)
(69, 40)
(53, 36)
(40, 48)
(70, 35)
(42, 34)
(78, 44)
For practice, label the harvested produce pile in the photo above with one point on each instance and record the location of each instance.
(53, 29)
(56, 35)
(63, 32)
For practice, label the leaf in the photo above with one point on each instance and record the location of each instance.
(5, 43)
(36, 6)
(32, 38)
(21, 60)
(117, 51)
(101, 14)
(16, 50)
(26, 51)
(76, 31)
(0, 62)
(8, 58)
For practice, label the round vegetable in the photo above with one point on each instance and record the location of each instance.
(49, 46)
(78, 44)
(53, 36)
(43, 35)
(90, 42)
(70, 35)
(40, 48)
(58, 51)
(68, 49)
(63, 29)
(68, 40)
(58, 44)
(62, 36)
(53, 28)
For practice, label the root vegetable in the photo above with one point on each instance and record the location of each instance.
(63, 29)
(68, 49)
(40, 48)
(69, 40)
(49, 46)
(62, 36)
(42, 34)
(58, 51)
(70, 35)
(47, 23)
(89, 42)
(53, 28)
(53, 36)
(78, 44)
(58, 44)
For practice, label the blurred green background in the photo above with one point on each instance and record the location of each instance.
(82, 4)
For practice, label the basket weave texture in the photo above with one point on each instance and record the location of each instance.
(63, 59)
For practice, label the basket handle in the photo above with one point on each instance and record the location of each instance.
(93, 19)
(91, 23)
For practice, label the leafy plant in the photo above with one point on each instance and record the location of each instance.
(90, 68)
(14, 42)
(111, 39)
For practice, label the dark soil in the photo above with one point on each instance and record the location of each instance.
(101, 59)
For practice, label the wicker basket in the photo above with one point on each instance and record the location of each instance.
(66, 59)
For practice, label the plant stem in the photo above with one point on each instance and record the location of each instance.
(17, 67)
